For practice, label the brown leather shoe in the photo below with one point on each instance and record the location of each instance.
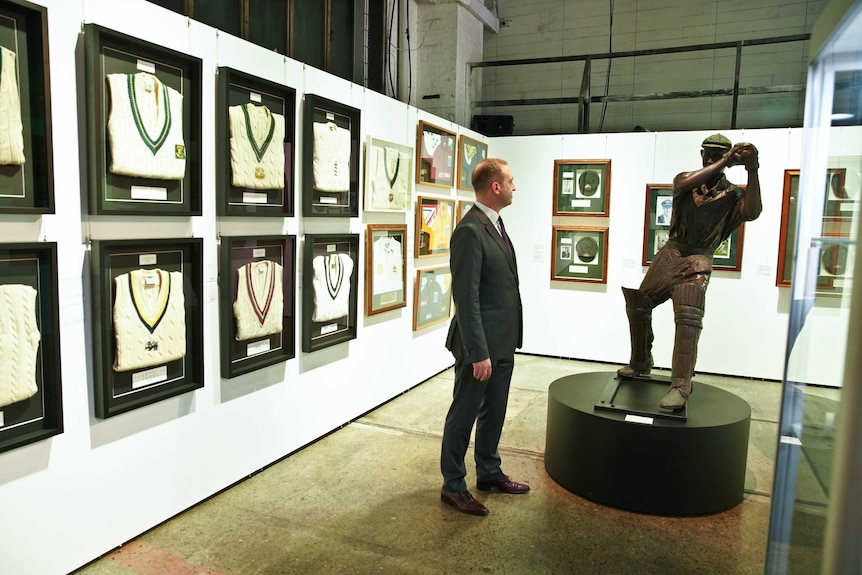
(463, 502)
(503, 484)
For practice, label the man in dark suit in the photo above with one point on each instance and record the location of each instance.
(483, 335)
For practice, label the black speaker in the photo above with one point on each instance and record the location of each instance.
(491, 125)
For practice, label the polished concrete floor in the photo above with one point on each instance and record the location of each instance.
(365, 499)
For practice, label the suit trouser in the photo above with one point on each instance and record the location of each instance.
(483, 403)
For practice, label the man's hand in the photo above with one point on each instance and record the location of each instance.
(482, 369)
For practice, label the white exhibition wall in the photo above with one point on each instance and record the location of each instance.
(71, 498)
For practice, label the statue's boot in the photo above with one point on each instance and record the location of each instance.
(688, 307)
(639, 311)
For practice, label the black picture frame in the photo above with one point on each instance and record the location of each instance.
(28, 187)
(319, 199)
(237, 256)
(39, 416)
(236, 88)
(120, 390)
(319, 328)
(109, 52)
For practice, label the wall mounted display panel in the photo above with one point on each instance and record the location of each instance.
(579, 254)
(435, 155)
(385, 268)
(432, 297)
(388, 176)
(434, 226)
(26, 164)
(257, 283)
(330, 268)
(836, 201)
(658, 210)
(470, 153)
(255, 135)
(330, 158)
(30, 390)
(147, 321)
(582, 187)
(144, 126)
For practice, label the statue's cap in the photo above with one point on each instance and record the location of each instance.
(717, 141)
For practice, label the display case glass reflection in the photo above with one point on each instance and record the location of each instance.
(147, 321)
(470, 153)
(256, 293)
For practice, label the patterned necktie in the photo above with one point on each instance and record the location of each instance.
(505, 235)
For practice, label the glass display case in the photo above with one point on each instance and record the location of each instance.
(815, 519)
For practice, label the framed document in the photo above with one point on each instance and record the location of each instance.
(464, 206)
(255, 142)
(580, 254)
(658, 210)
(147, 321)
(30, 391)
(385, 268)
(388, 176)
(470, 153)
(330, 267)
(257, 283)
(838, 197)
(26, 159)
(582, 187)
(432, 297)
(434, 226)
(330, 158)
(435, 156)
(144, 126)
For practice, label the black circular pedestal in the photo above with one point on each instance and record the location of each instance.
(638, 462)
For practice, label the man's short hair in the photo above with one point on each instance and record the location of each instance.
(717, 141)
(487, 172)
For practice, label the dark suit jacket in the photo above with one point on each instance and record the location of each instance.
(488, 315)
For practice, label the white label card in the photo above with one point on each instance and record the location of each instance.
(145, 66)
(330, 248)
(2, 423)
(790, 440)
(257, 347)
(328, 200)
(149, 377)
(568, 175)
(255, 97)
(149, 193)
(258, 252)
(329, 328)
(330, 116)
(847, 207)
(254, 197)
(565, 240)
(580, 203)
(578, 269)
(147, 259)
(639, 419)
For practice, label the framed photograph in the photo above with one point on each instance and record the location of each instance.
(144, 126)
(30, 390)
(658, 210)
(330, 268)
(432, 297)
(385, 268)
(582, 187)
(464, 206)
(434, 226)
(833, 225)
(435, 156)
(470, 153)
(257, 283)
(579, 254)
(147, 321)
(330, 159)
(255, 136)
(26, 159)
(388, 176)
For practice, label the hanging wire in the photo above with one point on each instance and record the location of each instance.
(389, 48)
(610, 61)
